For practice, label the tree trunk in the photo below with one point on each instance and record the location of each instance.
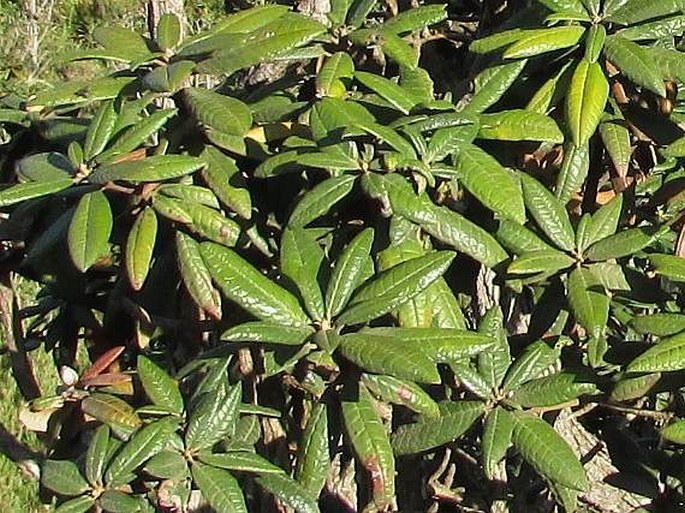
(156, 8)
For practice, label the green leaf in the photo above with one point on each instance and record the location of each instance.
(660, 324)
(218, 111)
(467, 377)
(494, 363)
(241, 461)
(141, 447)
(97, 455)
(387, 90)
(89, 230)
(396, 286)
(150, 169)
(44, 167)
(115, 501)
(519, 125)
(539, 41)
(632, 12)
(318, 201)
(616, 138)
(329, 80)
(212, 225)
(100, 130)
(224, 178)
(168, 31)
(125, 44)
(541, 261)
(589, 302)
(246, 286)
(496, 41)
(675, 432)
(551, 390)
(574, 170)
(63, 477)
(428, 432)
(630, 387)
(117, 414)
(604, 222)
(625, 243)
(289, 492)
(491, 84)
(301, 260)
(170, 78)
(313, 459)
(161, 388)
(190, 194)
(383, 354)
(196, 275)
(220, 488)
(214, 417)
(552, 91)
(347, 272)
(415, 19)
(497, 432)
(26, 191)
(171, 209)
(371, 445)
(547, 452)
(564, 6)
(519, 239)
(548, 212)
(635, 62)
(267, 333)
(402, 392)
(77, 505)
(594, 42)
(667, 355)
(670, 266)
(167, 464)
(660, 29)
(536, 359)
(497, 188)
(585, 101)
(139, 247)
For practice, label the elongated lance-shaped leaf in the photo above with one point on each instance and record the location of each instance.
(214, 417)
(267, 333)
(621, 244)
(320, 199)
(494, 363)
(116, 413)
(220, 112)
(190, 193)
(445, 306)
(150, 169)
(519, 239)
(140, 246)
(552, 390)
(547, 452)
(594, 42)
(537, 358)
(635, 62)
(212, 225)
(402, 392)
(371, 445)
(301, 260)
(289, 492)
(136, 135)
(539, 41)
(670, 266)
(388, 90)
(384, 354)
(589, 302)
(395, 287)
(548, 212)
(661, 324)
(573, 172)
(241, 461)
(26, 191)
(329, 80)
(616, 138)
(659, 29)
(631, 387)
(220, 488)
(565, 6)
(491, 84)
(168, 31)
(161, 388)
(43, 167)
(667, 355)
(496, 41)
(519, 125)
(140, 448)
(167, 464)
(497, 431)
(604, 222)
(80, 504)
(100, 130)
(63, 477)
(428, 432)
(497, 188)
(223, 177)
(313, 458)
(97, 455)
(675, 432)
(467, 377)
(88, 235)
(415, 19)
(630, 13)
(196, 276)
(585, 100)
(246, 286)
(347, 273)
(541, 261)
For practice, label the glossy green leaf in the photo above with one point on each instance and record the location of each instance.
(388, 90)
(547, 452)
(89, 230)
(519, 239)
(552, 91)
(169, 78)
(670, 266)
(494, 362)
(224, 178)
(220, 488)
(635, 62)
(320, 199)
(549, 213)
(26, 191)
(97, 455)
(428, 432)
(190, 194)
(625, 243)
(267, 333)
(161, 388)
(100, 130)
(242, 283)
(123, 43)
(415, 19)
(497, 432)
(604, 222)
(77, 505)
(491, 84)
(150, 169)
(519, 125)
(468, 377)
(551, 390)
(487, 180)
(63, 477)
(667, 355)
(496, 41)
(313, 459)
(535, 360)
(329, 80)
(402, 392)
(301, 261)
(168, 31)
(383, 354)
(212, 225)
(139, 247)
(220, 112)
(546, 260)
(117, 414)
(629, 387)
(573, 173)
(585, 101)
(674, 432)
(289, 492)
(616, 138)
(594, 42)
(241, 461)
(44, 168)
(539, 41)
(588, 300)
(660, 29)
(214, 417)
(632, 12)
(564, 6)
(661, 324)
(167, 464)
(196, 275)
(115, 501)
(445, 307)
(171, 209)
(371, 445)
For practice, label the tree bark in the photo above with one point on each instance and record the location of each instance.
(156, 8)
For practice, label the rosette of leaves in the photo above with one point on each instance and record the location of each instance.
(509, 395)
